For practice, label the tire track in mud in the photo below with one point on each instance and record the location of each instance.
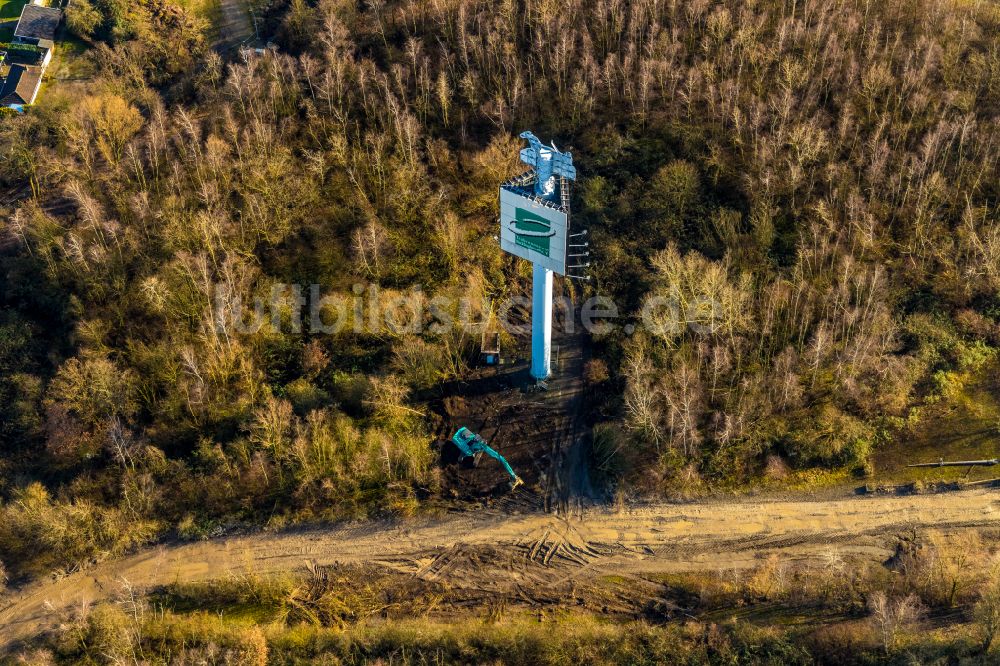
(526, 555)
(568, 478)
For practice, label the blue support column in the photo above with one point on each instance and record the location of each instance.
(549, 167)
(541, 322)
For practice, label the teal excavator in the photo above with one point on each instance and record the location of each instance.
(472, 445)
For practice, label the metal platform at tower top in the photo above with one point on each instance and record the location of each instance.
(524, 185)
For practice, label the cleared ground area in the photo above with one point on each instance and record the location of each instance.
(531, 555)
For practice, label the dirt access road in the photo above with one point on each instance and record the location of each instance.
(233, 25)
(529, 557)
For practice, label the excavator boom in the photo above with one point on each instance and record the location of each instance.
(470, 444)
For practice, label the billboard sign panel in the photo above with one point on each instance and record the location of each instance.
(533, 230)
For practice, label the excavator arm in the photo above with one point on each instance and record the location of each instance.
(470, 444)
(514, 478)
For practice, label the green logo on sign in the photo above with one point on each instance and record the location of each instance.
(531, 231)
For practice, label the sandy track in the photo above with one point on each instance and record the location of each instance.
(493, 552)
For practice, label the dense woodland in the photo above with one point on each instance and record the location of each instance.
(825, 173)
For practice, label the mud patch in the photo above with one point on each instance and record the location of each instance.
(537, 431)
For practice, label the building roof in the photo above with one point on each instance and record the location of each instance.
(38, 22)
(21, 85)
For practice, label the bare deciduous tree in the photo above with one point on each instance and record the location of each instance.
(891, 616)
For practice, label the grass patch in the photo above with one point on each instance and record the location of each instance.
(70, 61)
(965, 426)
(580, 639)
(240, 597)
(329, 596)
(571, 639)
(11, 9)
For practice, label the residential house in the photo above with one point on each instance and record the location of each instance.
(21, 86)
(37, 24)
(28, 55)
